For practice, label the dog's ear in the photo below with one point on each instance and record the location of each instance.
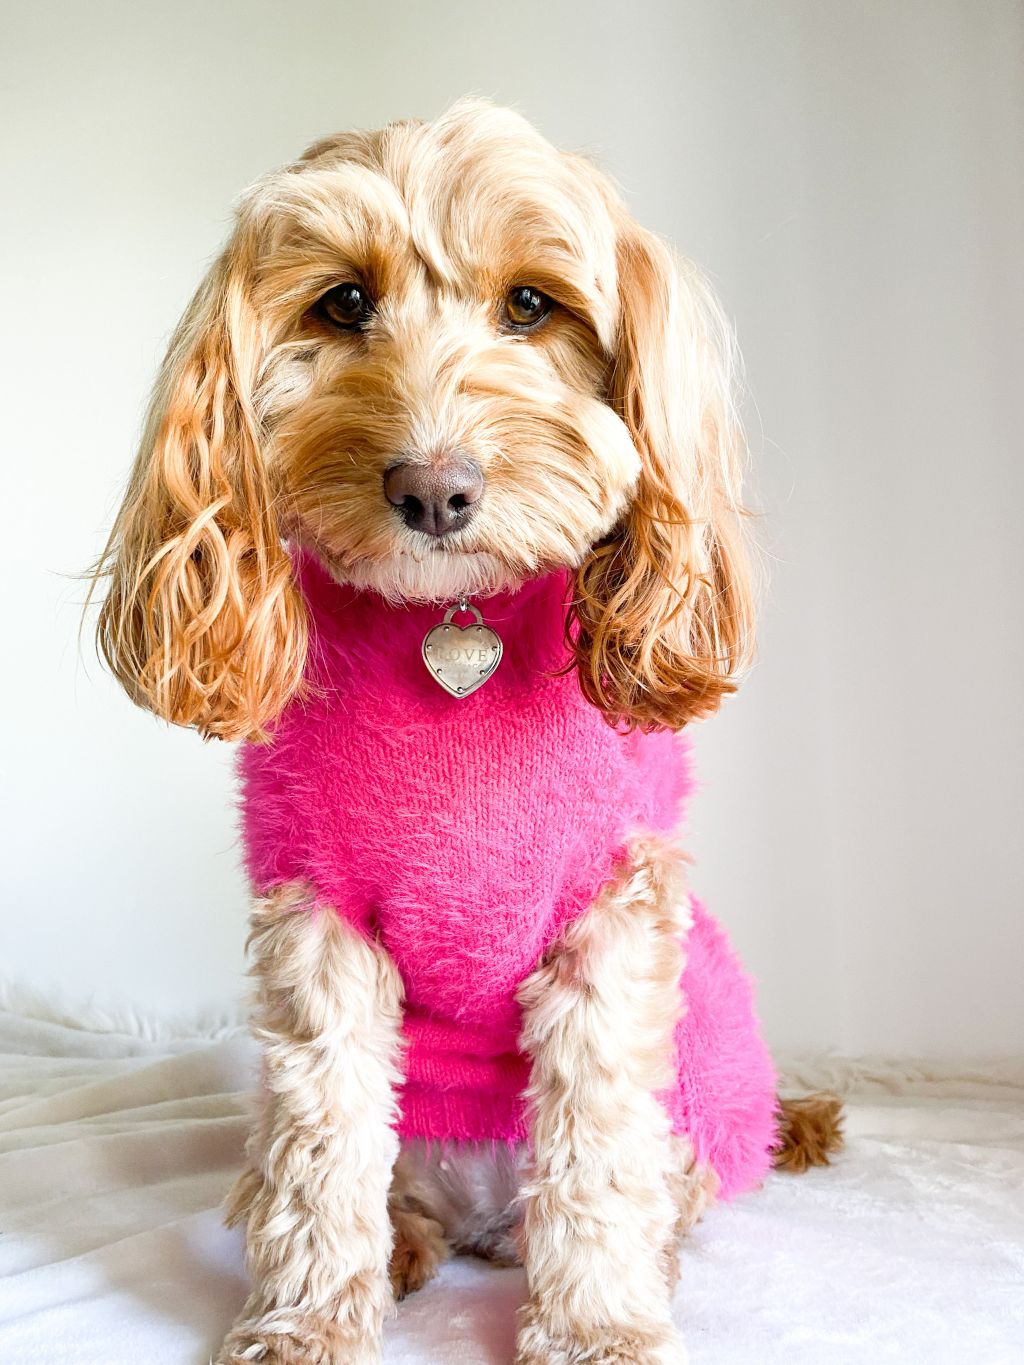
(663, 612)
(201, 622)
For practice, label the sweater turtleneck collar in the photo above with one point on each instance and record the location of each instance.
(358, 629)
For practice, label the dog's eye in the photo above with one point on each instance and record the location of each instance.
(525, 307)
(346, 306)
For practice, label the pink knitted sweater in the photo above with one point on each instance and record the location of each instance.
(464, 834)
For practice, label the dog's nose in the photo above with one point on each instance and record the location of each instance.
(435, 498)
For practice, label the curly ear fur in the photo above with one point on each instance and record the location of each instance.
(663, 611)
(201, 623)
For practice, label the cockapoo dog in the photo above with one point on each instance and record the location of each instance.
(438, 509)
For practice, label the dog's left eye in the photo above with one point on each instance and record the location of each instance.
(525, 307)
(346, 305)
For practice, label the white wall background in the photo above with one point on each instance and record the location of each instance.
(851, 175)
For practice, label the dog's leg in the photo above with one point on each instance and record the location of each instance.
(315, 1198)
(601, 1209)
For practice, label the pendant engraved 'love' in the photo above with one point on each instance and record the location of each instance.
(461, 658)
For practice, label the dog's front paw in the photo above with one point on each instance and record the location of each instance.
(605, 1345)
(298, 1339)
(418, 1251)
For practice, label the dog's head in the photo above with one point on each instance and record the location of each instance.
(444, 358)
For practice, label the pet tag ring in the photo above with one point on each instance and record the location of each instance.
(461, 658)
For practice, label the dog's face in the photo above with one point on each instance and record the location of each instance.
(441, 304)
(443, 358)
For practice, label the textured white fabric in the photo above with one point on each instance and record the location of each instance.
(116, 1149)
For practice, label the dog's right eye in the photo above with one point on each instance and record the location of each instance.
(525, 308)
(346, 306)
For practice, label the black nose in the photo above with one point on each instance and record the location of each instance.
(435, 498)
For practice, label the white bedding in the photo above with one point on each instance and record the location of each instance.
(116, 1149)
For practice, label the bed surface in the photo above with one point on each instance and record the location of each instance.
(117, 1145)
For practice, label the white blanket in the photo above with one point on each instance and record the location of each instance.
(117, 1148)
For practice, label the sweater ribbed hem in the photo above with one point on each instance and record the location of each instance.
(461, 1115)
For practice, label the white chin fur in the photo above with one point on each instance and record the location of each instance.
(441, 577)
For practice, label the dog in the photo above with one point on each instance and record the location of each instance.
(438, 509)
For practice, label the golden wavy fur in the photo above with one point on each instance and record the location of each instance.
(606, 437)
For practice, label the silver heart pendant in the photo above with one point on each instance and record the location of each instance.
(461, 658)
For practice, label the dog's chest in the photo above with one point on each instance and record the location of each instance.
(463, 833)
(464, 843)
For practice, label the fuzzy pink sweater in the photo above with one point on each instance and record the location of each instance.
(464, 834)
